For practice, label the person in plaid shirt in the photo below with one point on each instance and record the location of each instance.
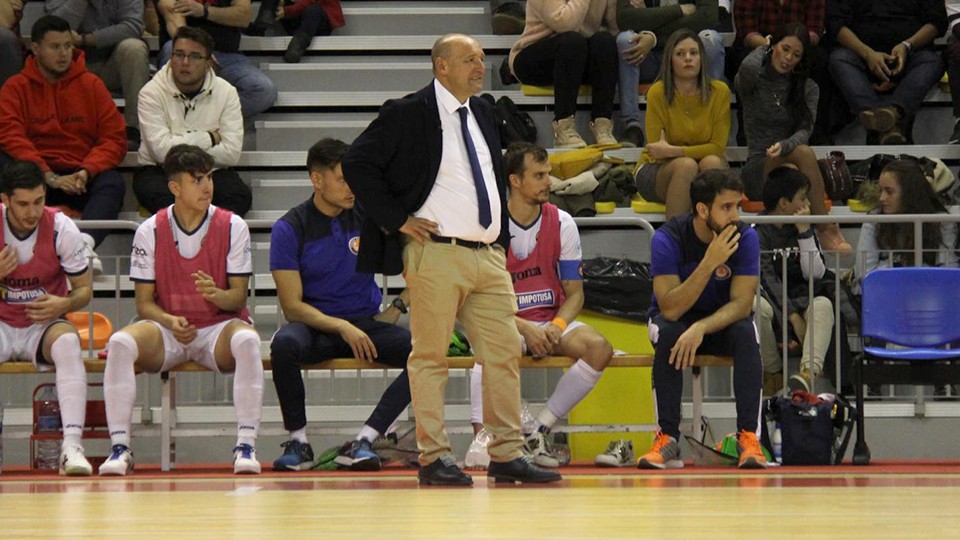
(755, 20)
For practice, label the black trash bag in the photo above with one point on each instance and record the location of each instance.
(617, 287)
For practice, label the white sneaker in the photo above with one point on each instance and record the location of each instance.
(73, 462)
(92, 259)
(618, 454)
(245, 460)
(536, 446)
(120, 462)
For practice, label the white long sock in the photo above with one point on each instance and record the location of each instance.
(476, 394)
(368, 433)
(71, 386)
(299, 435)
(120, 386)
(575, 384)
(247, 384)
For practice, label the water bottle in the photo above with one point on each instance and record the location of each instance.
(561, 448)
(776, 440)
(48, 423)
(477, 456)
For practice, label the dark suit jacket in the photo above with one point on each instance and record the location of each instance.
(392, 167)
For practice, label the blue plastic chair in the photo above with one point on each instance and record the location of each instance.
(917, 308)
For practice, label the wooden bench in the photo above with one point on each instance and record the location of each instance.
(168, 405)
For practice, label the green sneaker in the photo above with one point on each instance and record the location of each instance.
(326, 460)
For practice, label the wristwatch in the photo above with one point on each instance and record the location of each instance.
(398, 303)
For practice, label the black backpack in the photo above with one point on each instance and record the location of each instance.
(515, 125)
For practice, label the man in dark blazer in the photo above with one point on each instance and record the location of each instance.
(428, 174)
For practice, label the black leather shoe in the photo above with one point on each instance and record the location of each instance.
(521, 470)
(443, 472)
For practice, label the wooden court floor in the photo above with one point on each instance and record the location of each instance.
(880, 501)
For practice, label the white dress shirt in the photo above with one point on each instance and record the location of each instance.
(452, 202)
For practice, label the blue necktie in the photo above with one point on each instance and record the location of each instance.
(483, 202)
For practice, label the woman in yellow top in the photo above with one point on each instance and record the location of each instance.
(688, 122)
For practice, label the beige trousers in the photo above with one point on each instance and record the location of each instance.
(448, 283)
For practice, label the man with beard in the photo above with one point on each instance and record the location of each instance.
(41, 253)
(187, 103)
(705, 268)
(60, 116)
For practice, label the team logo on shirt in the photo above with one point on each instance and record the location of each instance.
(722, 272)
(535, 299)
(354, 245)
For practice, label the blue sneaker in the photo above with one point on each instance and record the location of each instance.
(245, 460)
(358, 456)
(119, 463)
(297, 456)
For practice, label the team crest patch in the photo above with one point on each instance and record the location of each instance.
(722, 272)
(354, 245)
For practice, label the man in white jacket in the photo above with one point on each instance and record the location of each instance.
(186, 103)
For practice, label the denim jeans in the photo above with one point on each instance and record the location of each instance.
(923, 69)
(257, 92)
(632, 75)
(11, 55)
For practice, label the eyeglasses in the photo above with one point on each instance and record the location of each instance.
(180, 56)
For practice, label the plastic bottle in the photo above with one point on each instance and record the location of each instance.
(48, 422)
(477, 456)
(776, 440)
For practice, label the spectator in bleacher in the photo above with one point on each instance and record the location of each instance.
(41, 251)
(302, 19)
(758, 20)
(428, 174)
(904, 190)
(61, 117)
(109, 34)
(688, 125)
(332, 310)
(952, 58)
(11, 46)
(191, 266)
(780, 105)
(566, 43)
(643, 26)
(705, 268)
(223, 20)
(785, 194)
(544, 255)
(885, 63)
(214, 123)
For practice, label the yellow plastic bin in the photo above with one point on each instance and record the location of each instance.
(623, 395)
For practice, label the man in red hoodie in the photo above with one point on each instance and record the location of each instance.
(60, 116)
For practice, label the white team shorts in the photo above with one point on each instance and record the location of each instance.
(570, 328)
(200, 350)
(23, 344)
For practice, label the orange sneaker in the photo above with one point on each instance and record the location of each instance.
(751, 455)
(665, 454)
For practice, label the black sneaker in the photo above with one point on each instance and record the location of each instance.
(955, 138)
(632, 137)
(297, 456)
(508, 19)
(358, 456)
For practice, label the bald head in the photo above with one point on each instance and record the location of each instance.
(447, 45)
(458, 64)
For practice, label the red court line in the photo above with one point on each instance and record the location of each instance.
(219, 478)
